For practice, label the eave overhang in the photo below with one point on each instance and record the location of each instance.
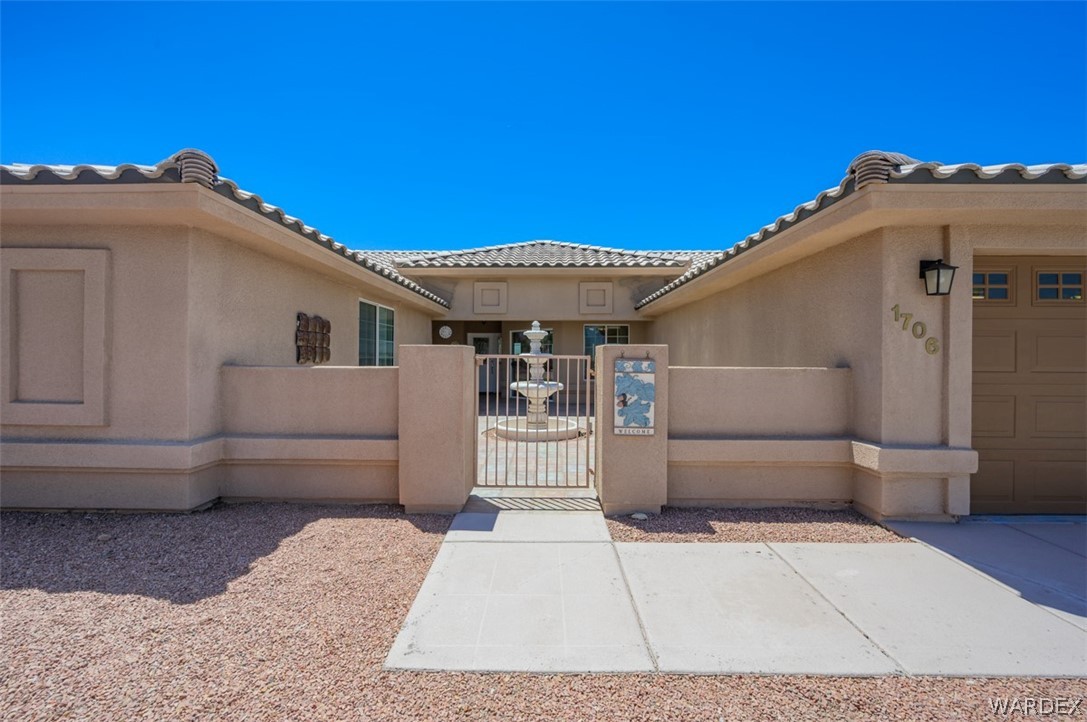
(879, 206)
(192, 205)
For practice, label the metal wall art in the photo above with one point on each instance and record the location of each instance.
(312, 338)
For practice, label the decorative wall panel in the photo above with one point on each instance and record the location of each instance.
(313, 339)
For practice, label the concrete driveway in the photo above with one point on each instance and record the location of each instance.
(550, 592)
(1041, 559)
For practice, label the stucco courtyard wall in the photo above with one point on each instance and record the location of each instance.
(243, 305)
(823, 312)
(759, 436)
(327, 433)
(176, 305)
(858, 305)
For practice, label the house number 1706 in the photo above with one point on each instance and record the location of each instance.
(918, 329)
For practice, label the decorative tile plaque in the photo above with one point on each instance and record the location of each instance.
(635, 396)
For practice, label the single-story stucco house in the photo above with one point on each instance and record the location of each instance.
(170, 339)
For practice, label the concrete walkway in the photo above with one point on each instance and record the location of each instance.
(548, 591)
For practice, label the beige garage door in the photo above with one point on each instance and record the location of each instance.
(1030, 385)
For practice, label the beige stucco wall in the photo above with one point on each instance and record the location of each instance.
(331, 401)
(178, 304)
(837, 307)
(631, 471)
(146, 321)
(555, 295)
(243, 305)
(822, 312)
(317, 433)
(437, 427)
(758, 402)
(759, 436)
(569, 336)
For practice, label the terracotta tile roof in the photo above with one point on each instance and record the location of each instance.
(1006, 172)
(197, 167)
(871, 167)
(56, 174)
(876, 166)
(543, 254)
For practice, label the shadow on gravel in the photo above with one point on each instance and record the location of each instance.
(696, 522)
(181, 558)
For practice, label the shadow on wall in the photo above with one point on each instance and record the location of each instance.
(180, 558)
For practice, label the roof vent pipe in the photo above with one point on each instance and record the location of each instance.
(196, 166)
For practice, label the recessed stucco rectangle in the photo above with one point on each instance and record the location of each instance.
(54, 335)
(48, 336)
(489, 297)
(595, 298)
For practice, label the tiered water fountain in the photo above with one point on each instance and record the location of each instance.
(537, 425)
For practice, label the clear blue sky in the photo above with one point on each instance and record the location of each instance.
(450, 125)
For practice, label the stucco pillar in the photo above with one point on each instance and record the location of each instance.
(437, 427)
(958, 390)
(631, 470)
(959, 309)
(925, 391)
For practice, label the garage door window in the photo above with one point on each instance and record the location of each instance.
(1058, 286)
(992, 286)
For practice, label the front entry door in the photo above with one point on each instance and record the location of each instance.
(486, 343)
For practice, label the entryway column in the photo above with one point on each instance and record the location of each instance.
(437, 427)
(631, 455)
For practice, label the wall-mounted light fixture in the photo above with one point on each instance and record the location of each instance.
(938, 277)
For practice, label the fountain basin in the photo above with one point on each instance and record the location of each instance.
(536, 390)
(554, 428)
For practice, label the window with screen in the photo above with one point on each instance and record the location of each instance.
(519, 343)
(377, 346)
(598, 335)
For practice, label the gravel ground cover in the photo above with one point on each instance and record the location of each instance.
(286, 612)
(785, 525)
